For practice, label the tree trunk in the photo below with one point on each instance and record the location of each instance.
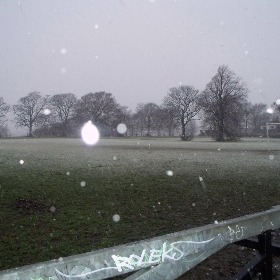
(183, 136)
(149, 126)
(30, 131)
(170, 128)
(221, 126)
(64, 129)
(220, 131)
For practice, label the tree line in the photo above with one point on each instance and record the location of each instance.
(222, 106)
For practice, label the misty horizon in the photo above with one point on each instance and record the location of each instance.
(137, 50)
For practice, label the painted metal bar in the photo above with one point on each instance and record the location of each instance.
(265, 249)
(253, 243)
(169, 271)
(262, 263)
(167, 253)
(251, 268)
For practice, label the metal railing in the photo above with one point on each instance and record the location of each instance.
(164, 257)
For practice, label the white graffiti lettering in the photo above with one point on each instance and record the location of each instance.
(236, 233)
(168, 252)
(173, 252)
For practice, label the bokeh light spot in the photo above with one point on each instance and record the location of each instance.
(121, 128)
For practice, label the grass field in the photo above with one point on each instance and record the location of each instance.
(58, 196)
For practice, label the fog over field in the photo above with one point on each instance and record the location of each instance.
(125, 120)
(136, 50)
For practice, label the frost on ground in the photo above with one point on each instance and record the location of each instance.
(135, 158)
(155, 186)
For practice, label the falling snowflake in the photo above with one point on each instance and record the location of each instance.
(169, 173)
(116, 218)
(21, 161)
(121, 128)
(83, 183)
(202, 182)
(47, 112)
(270, 110)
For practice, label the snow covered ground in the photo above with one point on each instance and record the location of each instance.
(155, 155)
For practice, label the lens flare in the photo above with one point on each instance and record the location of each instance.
(90, 133)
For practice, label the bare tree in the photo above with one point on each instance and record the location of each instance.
(183, 102)
(160, 120)
(4, 108)
(137, 124)
(29, 110)
(123, 115)
(97, 107)
(4, 131)
(117, 116)
(257, 116)
(147, 112)
(171, 123)
(64, 104)
(276, 107)
(223, 104)
(247, 108)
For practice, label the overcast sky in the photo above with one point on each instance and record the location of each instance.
(135, 49)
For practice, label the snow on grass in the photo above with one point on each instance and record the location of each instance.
(150, 156)
(154, 185)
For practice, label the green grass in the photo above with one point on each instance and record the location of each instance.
(125, 177)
